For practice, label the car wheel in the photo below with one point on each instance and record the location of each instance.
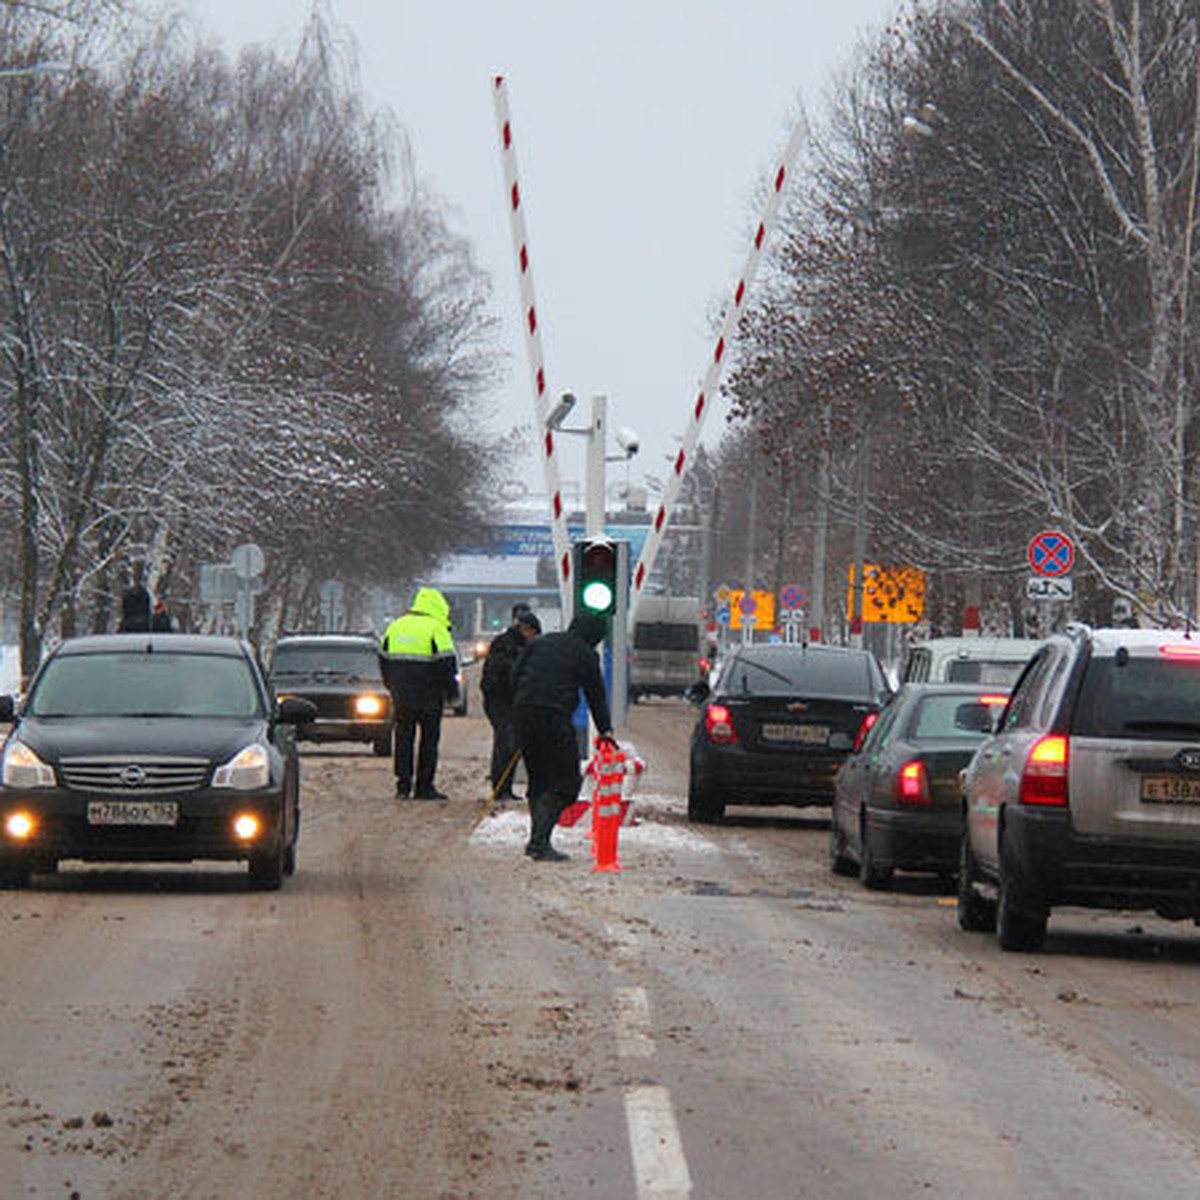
(870, 873)
(14, 873)
(267, 869)
(289, 860)
(703, 806)
(1017, 928)
(382, 745)
(839, 864)
(976, 914)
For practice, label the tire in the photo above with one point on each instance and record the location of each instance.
(14, 874)
(382, 745)
(976, 913)
(870, 873)
(1017, 927)
(839, 864)
(267, 869)
(289, 860)
(704, 808)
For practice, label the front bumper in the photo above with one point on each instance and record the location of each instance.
(331, 730)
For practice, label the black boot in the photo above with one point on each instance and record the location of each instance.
(543, 815)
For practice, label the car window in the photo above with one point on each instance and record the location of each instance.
(1022, 706)
(309, 658)
(1141, 697)
(157, 684)
(952, 716)
(917, 670)
(660, 635)
(880, 734)
(837, 676)
(1001, 672)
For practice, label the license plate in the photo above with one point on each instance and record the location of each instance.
(809, 735)
(132, 812)
(1170, 789)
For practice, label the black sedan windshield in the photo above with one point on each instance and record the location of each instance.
(158, 684)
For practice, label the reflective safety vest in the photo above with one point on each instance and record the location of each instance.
(417, 653)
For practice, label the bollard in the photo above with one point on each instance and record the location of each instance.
(607, 806)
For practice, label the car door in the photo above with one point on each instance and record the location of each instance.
(854, 779)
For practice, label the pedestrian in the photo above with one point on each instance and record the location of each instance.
(135, 608)
(547, 678)
(160, 619)
(418, 662)
(495, 682)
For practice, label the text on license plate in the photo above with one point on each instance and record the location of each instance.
(132, 812)
(1170, 789)
(810, 735)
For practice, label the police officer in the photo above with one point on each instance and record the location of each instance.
(495, 682)
(547, 678)
(418, 662)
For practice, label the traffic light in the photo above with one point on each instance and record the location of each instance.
(597, 576)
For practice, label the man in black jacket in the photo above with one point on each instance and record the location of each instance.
(546, 680)
(495, 682)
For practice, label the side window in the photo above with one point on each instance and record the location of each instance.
(1029, 690)
(917, 670)
(881, 732)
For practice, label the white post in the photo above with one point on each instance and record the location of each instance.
(596, 442)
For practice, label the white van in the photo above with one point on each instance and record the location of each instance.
(664, 652)
(968, 660)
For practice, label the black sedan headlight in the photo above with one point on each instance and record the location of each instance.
(24, 769)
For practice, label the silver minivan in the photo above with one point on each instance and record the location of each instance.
(1088, 792)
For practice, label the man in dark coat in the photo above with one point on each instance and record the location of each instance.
(546, 681)
(135, 609)
(495, 682)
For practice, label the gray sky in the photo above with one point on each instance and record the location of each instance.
(641, 129)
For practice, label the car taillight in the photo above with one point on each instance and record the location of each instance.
(912, 785)
(1191, 651)
(718, 725)
(1044, 780)
(865, 728)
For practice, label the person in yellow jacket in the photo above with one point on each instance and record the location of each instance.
(417, 658)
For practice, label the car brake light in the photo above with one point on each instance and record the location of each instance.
(1044, 780)
(718, 725)
(865, 728)
(912, 785)
(1191, 651)
(991, 700)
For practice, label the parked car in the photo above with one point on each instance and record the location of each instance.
(897, 803)
(777, 723)
(995, 661)
(340, 674)
(1088, 793)
(150, 748)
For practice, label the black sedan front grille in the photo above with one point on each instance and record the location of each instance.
(146, 775)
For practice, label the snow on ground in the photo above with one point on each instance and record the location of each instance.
(509, 827)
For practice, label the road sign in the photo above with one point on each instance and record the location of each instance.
(751, 610)
(792, 616)
(248, 561)
(791, 597)
(1049, 587)
(722, 614)
(1052, 553)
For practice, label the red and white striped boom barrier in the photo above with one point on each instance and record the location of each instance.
(712, 377)
(533, 344)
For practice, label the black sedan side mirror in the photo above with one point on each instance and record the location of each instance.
(698, 692)
(295, 710)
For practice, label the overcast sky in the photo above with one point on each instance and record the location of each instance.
(641, 129)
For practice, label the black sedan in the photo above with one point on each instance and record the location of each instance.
(897, 802)
(150, 748)
(777, 723)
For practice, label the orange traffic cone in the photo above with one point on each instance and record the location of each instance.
(606, 807)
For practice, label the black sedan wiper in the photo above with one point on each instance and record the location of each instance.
(773, 673)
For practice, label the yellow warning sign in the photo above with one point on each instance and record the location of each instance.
(751, 610)
(892, 594)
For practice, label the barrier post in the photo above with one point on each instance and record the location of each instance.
(607, 805)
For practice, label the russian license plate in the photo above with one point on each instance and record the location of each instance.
(808, 735)
(1170, 789)
(132, 812)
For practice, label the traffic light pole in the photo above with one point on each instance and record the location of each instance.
(618, 641)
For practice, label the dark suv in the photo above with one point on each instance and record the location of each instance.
(777, 724)
(1088, 793)
(340, 674)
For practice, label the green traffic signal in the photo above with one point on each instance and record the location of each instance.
(596, 577)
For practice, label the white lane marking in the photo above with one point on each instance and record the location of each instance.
(625, 942)
(659, 1167)
(633, 1022)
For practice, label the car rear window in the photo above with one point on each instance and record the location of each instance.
(311, 658)
(153, 685)
(836, 676)
(978, 670)
(938, 717)
(1139, 698)
(660, 635)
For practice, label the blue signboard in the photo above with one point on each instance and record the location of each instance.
(537, 541)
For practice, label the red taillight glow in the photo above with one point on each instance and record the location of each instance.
(1179, 650)
(865, 728)
(718, 725)
(991, 700)
(1044, 780)
(912, 785)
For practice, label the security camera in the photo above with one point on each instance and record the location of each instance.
(627, 439)
(558, 414)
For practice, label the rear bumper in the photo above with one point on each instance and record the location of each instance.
(913, 839)
(1055, 865)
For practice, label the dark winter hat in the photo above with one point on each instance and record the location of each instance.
(528, 620)
(520, 609)
(589, 627)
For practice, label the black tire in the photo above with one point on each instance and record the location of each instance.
(976, 913)
(267, 869)
(289, 860)
(839, 864)
(382, 745)
(870, 873)
(704, 807)
(1019, 926)
(14, 874)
